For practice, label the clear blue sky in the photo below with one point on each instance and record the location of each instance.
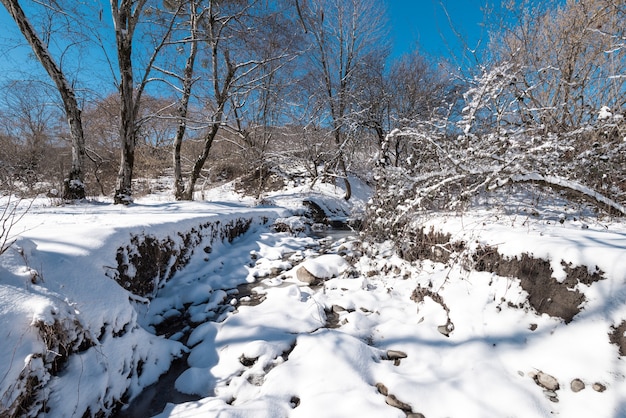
(425, 22)
(412, 22)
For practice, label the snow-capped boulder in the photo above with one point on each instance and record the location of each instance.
(323, 267)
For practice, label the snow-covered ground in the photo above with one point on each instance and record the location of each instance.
(372, 336)
(57, 295)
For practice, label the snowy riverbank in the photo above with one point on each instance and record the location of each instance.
(365, 333)
(385, 337)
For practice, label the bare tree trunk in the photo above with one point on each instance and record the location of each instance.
(179, 186)
(221, 96)
(128, 137)
(126, 14)
(74, 187)
(199, 163)
(342, 166)
(125, 20)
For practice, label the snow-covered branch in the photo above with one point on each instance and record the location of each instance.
(571, 186)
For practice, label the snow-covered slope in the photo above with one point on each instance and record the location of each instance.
(70, 336)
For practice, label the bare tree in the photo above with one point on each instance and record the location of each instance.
(545, 113)
(101, 119)
(373, 98)
(193, 15)
(228, 33)
(74, 187)
(126, 15)
(343, 35)
(570, 60)
(418, 88)
(32, 121)
(413, 91)
(548, 115)
(222, 71)
(12, 210)
(260, 113)
(126, 18)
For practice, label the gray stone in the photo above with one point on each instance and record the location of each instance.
(395, 354)
(382, 389)
(338, 309)
(305, 276)
(546, 381)
(551, 395)
(275, 271)
(397, 403)
(446, 329)
(577, 385)
(598, 387)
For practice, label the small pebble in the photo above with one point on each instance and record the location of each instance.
(577, 385)
(598, 387)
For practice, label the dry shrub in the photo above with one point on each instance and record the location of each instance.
(27, 396)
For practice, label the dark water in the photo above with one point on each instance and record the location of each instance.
(153, 399)
(335, 233)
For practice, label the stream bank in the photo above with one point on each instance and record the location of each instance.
(220, 303)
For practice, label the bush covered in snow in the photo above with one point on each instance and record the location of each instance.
(491, 150)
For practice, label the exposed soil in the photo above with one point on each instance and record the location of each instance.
(618, 337)
(546, 294)
(148, 262)
(581, 274)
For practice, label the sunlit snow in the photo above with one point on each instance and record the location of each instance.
(360, 343)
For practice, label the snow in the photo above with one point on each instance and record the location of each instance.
(310, 350)
(57, 272)
(605, 113)
(326, 266)
(485, 368)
